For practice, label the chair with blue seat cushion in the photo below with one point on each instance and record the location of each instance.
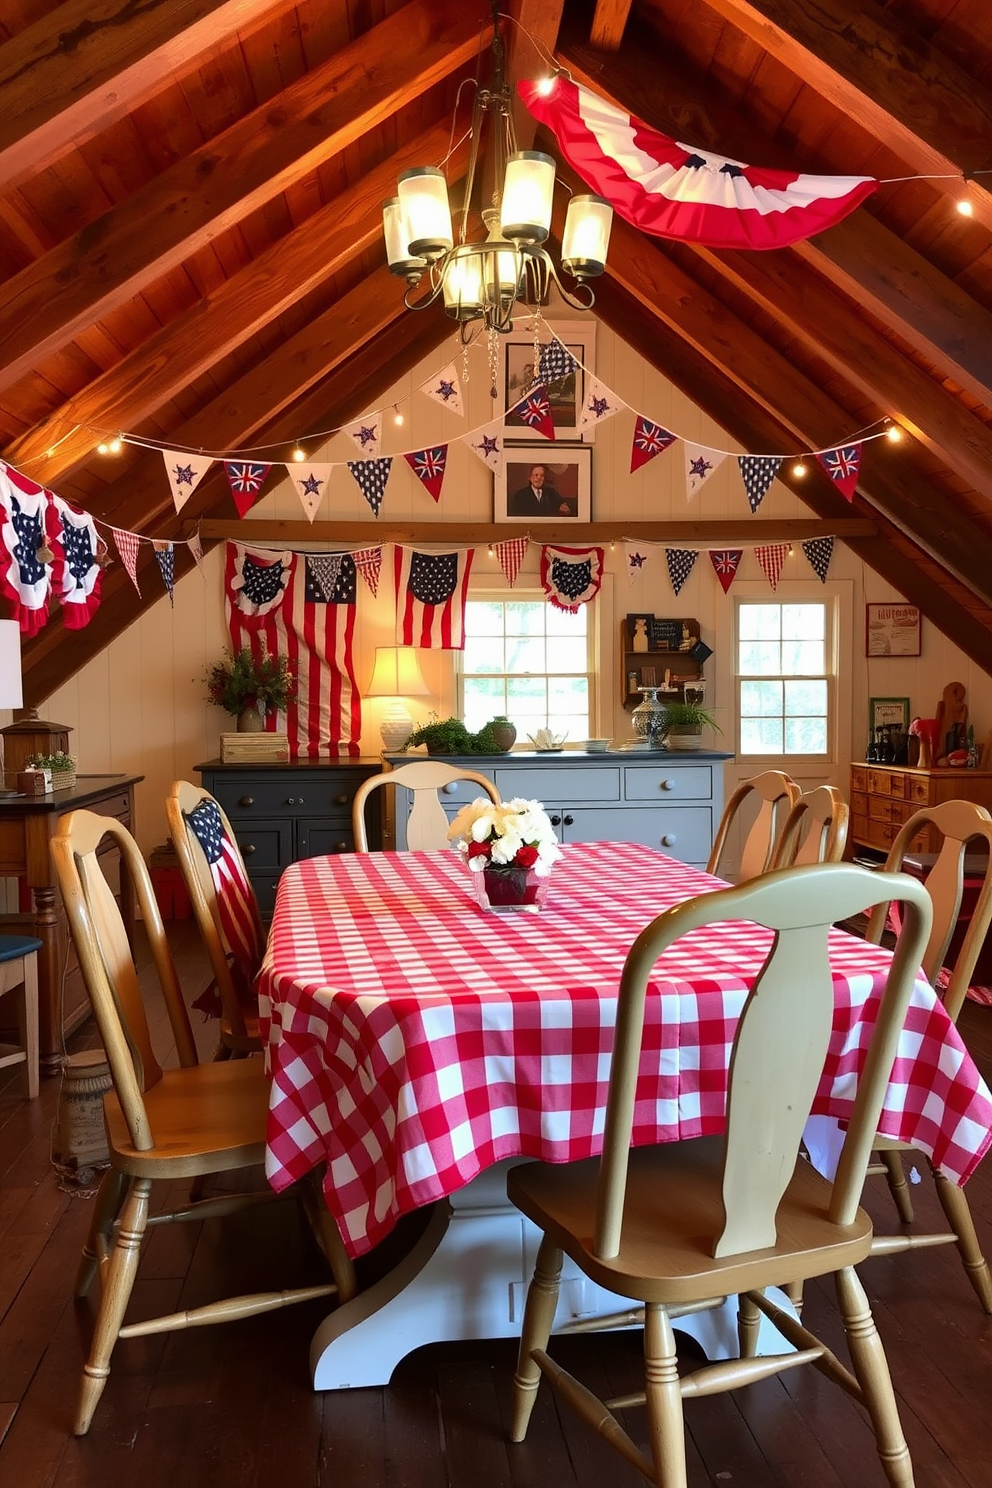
(19, 974)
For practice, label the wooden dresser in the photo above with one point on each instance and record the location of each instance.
(884, 796)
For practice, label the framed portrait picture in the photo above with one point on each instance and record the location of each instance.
(884, 712)
(566, 396)
(892, 630)
(545, 483)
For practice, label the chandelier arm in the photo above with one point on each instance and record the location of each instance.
(541, 273)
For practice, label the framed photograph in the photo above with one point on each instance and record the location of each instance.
(883, 711)
(545, 483)
(892, 630)
(518, 370)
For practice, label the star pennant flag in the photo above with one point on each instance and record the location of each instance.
(819, 551)
(600, 404)
(487, 443)
(185, 472)
(636, 557)
(245, 478)
(166, 555)
(771, 557)
(431, 590)
(372, 476)
(510, 555)
(444, 389)
(700, 464)
(555, 362)
(571, 576)
(535, 411)
(196, 548)
(650, 439)
(311, 482)
(428, 466)
(126, 544)
(368, 561)
(757, 473)
(843, 465)
(681, 562)
(726, 562)
(365, 433)
(76, 574)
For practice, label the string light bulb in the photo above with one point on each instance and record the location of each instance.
(893, 434)
(547, 85)
(107, 447)
(799, 470)
(298, 454)
(398, 418)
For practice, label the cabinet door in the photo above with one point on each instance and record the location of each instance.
(683, 832)
(265, 844)
(320, 838)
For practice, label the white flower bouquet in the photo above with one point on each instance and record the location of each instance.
(514, 836)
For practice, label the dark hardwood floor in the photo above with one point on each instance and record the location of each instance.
(233, 1406)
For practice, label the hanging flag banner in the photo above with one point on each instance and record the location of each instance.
(196, 548)
(636, 556)
(126, 544)
(571, 577)
(534, 410)
(726, 562)
(185, 472)
(372, 476)
(431, 591)
(771, 557)
(600, 405)
(365, 433)
(510, 555)
(25, 577)
(650, 439)
(700, 464)
(368, 561)
(166, 558)
(555, 362)
(673, 190)
(819, 551)
(428, 466)
(245, 478)
(311, 482)
(757, 473)
(444, 389)
(76, 573)
(843, 466)
(681, 562)
(278, 605)
(323, 573)
(487, 443)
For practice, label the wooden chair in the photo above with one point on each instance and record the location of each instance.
(681, 1225)
(815, 830)
(960, 823)
(19, 974)
(161, 1124)
(225, 909)
(427, 824)
(777, 793)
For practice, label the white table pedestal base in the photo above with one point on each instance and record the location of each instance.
(467, 1277)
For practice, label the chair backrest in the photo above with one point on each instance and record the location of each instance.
(107, 962)
(776, 794)
(220, 893)
(780, 1045)
(959, 823)
(427, 824)
(823, 816)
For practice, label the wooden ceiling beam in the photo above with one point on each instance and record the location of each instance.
(237, 309)
(608, 21)
(529, 43)
(83, 66)
(162, 223)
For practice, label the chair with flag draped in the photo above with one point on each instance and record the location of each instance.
(775, 793)
(225, 909)
(815, 830)
(427, 824)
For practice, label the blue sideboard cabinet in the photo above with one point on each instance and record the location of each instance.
(668, 801)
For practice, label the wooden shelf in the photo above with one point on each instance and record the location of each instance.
(672, 647)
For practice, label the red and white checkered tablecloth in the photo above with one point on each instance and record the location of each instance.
(414, 1039)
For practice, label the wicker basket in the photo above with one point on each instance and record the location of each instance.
(63, 779)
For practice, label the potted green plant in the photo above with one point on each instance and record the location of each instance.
(450, 736)
(684, 724)
(62, 767)
(249, 689)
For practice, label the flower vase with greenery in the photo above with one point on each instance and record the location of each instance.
(248, 688)
(510, 850)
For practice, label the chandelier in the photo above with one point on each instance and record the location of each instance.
(481, 281)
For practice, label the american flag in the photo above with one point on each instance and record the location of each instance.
(431, 590)
(843, 465)
(428, 466)
(275, 606)
(725, 563)
(649, 440)
(245, 478)
(236, 903)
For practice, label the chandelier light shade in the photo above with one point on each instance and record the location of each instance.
(396, 674)
(528, 193)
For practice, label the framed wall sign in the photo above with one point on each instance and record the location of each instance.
(887, 711)
(892, 630)
(545, 483)
(518, 370)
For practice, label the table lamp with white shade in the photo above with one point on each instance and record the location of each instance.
(11, 690)
(396, 675)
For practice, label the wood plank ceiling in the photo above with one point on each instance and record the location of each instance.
(190, 245)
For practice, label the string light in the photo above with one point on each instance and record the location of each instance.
(398, 419)
(546, 86)
(298, 454)
(109, 447)
(799, 470)
(893, 434)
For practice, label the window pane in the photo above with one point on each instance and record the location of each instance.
(525, 655)
(806, 735)
(567, 655)
(787, 647)
(760, 659)
(483, 700)
(524, 619)
(802, 657)
(529, 660)
(484, 619)
(759, 622)
(483, 655)
(804, 622)
(761, 736)
(761, 699)
(564, 622)
(806, 697)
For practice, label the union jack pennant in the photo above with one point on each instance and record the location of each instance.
(843, 466)
(535, 412)
(725, 563)
(650, 439)
(428, 466)
(245, 479)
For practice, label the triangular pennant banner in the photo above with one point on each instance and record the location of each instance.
(600, 404)
(196, 548)
(487, 443)
(365, 433)
(843, 466)
(323, 573)
(819, 551)
(555, 362)
(510, 555)
(700, 464)
(636, 557)
(428, 466)
(166, 556)
(126, 544)
(757, 473)
(372, 476)
(444, 389)
(185, 472)
(726, 562)
(311, 482)
(245, 478)
(771, 557)
(571, 576)
(535, 411)
(650, 439)
(681, 562)
(368, 561)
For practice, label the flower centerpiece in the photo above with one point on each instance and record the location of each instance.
(510, 850)
(248, 688)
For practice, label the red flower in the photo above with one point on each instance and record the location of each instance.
(526, 857)
(479, 849)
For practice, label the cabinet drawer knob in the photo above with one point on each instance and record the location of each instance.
(295, 801)
(568, 821)
(451, 789)
(669, 839)
(246, 800)
(668, 785)
(341, 800)
(555, 821)
(248, 849)
(341, 847)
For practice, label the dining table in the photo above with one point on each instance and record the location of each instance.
(418, 1045)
